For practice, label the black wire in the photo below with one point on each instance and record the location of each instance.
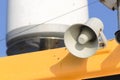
(2, 39)
(54, 18)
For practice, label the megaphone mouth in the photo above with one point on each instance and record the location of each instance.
(83, 40)
(81, 50)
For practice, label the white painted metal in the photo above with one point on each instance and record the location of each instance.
(31, 12)
(26, 18)
(91, 40)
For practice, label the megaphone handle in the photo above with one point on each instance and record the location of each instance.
(103, 38)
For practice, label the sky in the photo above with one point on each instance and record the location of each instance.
(97, 9)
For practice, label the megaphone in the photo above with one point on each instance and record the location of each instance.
(83, 40)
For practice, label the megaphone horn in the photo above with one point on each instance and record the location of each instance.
(83, 40)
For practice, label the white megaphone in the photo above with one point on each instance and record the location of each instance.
(83, 40)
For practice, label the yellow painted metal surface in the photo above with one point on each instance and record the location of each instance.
(59, 64)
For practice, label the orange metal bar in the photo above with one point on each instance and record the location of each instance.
(58, 64)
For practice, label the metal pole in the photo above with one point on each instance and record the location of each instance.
(118, 13)
(117, 33)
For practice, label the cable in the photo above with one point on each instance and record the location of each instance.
(54, 18)
(2, 39)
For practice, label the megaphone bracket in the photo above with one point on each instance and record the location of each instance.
(102, 39)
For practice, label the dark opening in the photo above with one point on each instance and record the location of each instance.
(113, 77)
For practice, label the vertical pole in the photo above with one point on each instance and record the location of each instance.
(118, 13)
(117, 33)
